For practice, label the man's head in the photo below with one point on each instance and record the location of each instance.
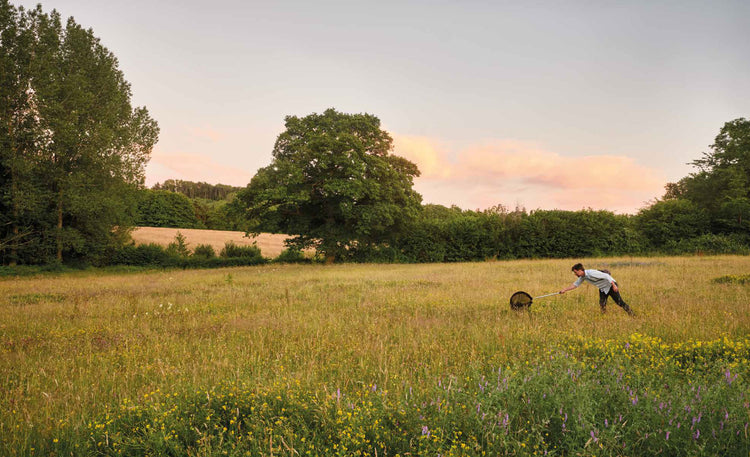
(578, 270)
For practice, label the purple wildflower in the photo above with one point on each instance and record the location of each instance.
(425, 431)
(667, 437)
(697, 434)
(593, 436)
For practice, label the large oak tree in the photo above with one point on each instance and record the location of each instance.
(333, 183)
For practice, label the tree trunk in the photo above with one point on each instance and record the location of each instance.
(14, 201)
(59, 225)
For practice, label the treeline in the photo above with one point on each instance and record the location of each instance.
(187, 204)
(443, 234)
(200, 190)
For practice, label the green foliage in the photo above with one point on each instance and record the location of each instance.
(198, 190)
(179, 246)
(672, 221)
(204, 250)
(333, 183)
(143, 255)
(231, 249)
(161, 208)
(709, 244)
(218, 215)
(721, 186)
(452, 235)
(292, 255)
(73, 149)
(575, 234)
(153, 255)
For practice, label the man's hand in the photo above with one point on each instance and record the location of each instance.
(614, 287)
(562, 291)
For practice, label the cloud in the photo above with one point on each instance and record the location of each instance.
(193, 167)
(522, 173)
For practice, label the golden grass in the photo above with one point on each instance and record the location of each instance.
(270, 244)
(73, 346)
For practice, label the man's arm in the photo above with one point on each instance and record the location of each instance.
(570, 287)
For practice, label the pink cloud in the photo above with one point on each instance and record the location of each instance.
(513, 172)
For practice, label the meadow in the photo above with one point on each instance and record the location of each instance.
(378, 360)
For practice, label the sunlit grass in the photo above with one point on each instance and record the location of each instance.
(76, 349)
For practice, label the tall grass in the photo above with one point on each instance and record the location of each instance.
(101, 362)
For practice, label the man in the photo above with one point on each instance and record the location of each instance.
(602, 280)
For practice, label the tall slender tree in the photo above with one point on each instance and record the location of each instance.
(20, 132)
(90, 145)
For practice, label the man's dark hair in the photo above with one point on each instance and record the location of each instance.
(578, 267)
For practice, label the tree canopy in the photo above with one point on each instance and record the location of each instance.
(73, 149)
(721, 186)
(333, 183)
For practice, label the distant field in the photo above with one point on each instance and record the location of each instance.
(270, 244)
(378, 360)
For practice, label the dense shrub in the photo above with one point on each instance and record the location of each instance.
(709, 244)
(161, 208)
(204, 250)
(153, 255)
(292, 255)
(452, 235)
(233, 250)
(671, 221)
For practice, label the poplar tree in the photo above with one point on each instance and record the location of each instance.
(89, 146)
(19, 193)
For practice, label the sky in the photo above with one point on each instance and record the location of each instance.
(535, 104)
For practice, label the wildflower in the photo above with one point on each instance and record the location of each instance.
(667, 437)
(425, 431)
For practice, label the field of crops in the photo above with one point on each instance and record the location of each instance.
(378, 360)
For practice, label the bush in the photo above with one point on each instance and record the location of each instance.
(232, 250)
(671, 221)
(178, 247)
(709, 244)
(292, 255)
(204, 250)
(153, 255)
